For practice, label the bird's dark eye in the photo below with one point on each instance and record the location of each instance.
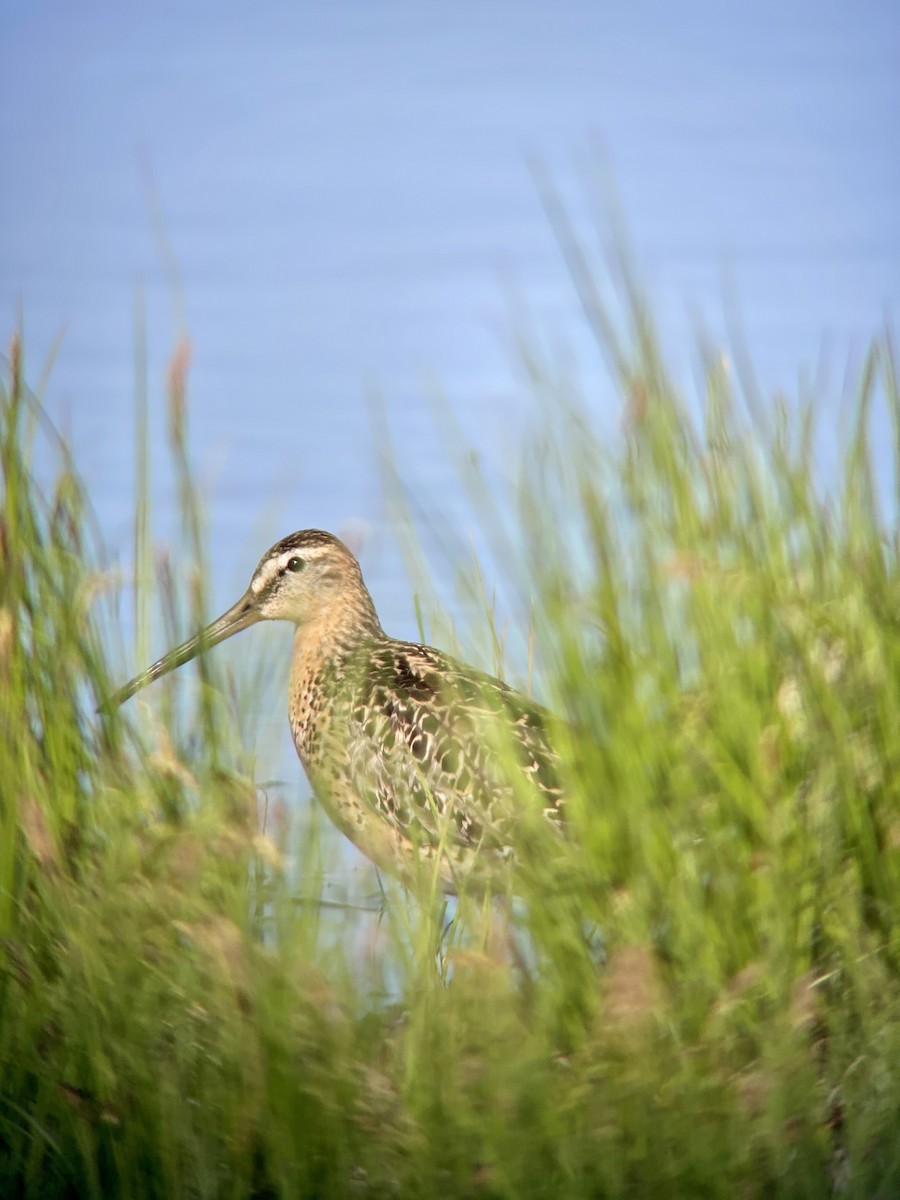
(295, 564)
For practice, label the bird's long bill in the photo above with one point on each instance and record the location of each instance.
(238, 617)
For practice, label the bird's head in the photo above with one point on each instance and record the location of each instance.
(307, 576)
(302, 578)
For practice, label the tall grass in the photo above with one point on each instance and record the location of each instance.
(700, 997)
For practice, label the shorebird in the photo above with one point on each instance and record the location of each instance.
(415, 756)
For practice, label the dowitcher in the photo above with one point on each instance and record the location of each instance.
(414, 755)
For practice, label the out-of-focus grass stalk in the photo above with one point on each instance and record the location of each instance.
(143, 536)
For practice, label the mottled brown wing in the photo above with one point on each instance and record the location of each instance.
(436, 745)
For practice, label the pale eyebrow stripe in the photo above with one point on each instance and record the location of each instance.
(262, 583)
(275, 567)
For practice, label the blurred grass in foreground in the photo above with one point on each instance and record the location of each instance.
(723, 644)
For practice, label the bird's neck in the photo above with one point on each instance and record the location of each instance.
(329, 651)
